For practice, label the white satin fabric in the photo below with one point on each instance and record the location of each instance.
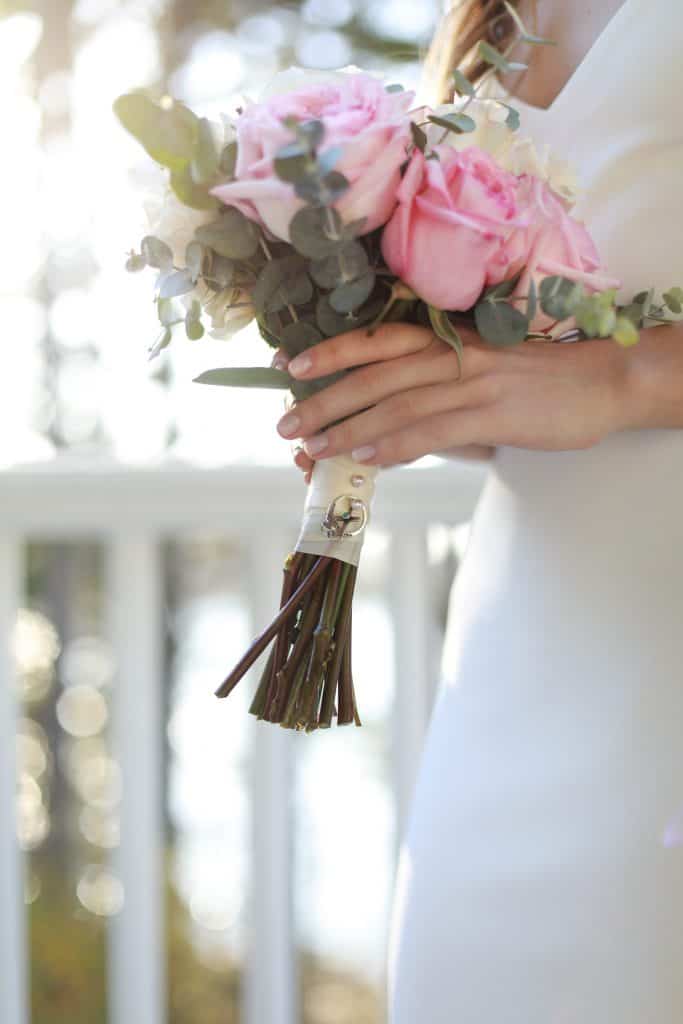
(541, 874)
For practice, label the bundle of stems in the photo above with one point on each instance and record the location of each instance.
(307, 678)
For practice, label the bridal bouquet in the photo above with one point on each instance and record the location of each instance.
(332, 204)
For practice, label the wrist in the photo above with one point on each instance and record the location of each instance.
(652, 384)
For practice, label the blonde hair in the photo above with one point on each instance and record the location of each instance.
(464, 25)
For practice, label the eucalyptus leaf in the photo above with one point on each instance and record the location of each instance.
(513, 119)
(462, 84)
(496, 59)
(168, 133)
(176, 282)
(283, 281)
(418, 136)
(328, 160)
(156, 253)
(394, 87)
(315, 231)
(532, 300)
(194, 257)
(233, 235)
(625, 332)
(559, 296)
(189, 192)
(500, 323)
(347, 262)
(219, 271)
(162, 342)
(305, 388)
(335, 184)
(313, 132)
(330, 321)
(194, 328)
(460, 123)
(298, 336)
(674, 299)
(228, 160)
(135, 262)
(347, 297)
(245, 377)
(205, 159)
(167, 313)
(292, 163)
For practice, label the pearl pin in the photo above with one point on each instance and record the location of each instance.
(357, 480)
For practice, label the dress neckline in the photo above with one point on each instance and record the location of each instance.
(602, 37)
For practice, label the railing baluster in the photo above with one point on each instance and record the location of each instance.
(271, 992)
(137, 946)
(414, 659)
(13, 947)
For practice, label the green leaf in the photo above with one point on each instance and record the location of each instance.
(233, 235)
(513, 119)
(135, 262)
(162, 342)
(166, 311)
(418, 136)
(228, 160)
(176, 282)
(595, 315)
(315, 231)
(674, 299)
(168, 133)
(444, 329)
(462, 84)
(190, 193)
(156, 253)
(525, 35)
(502, 290)
(219, 271)
(298, 336)
(283, 281)
(245, 377)
(292, 162)
(205, 159)
(460, 123)
(305, 388)
(330, 321)
(394, 87)
(625, 331)
(559, 297)
(194, 258)
(500, 323)
(346, 262)
(349, 296)
(312, 132)
(532, 301)
(496, 59)
(194, 328)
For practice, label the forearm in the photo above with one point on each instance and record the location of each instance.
(653, 388)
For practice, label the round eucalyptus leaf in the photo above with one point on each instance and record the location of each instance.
(461, 123)
(625, 332)
(298, 336)
(194, 257)
(194, 329)
(328, 160)
(332, 322)
(233, 235)
(135, 262)
(168, 133)
(349, 296)
(500, 324)
(292, 163)
(559, 296)
(156, 253)
(283, 281)
(394, 87)
(166, 311)
(462, 84)
(315, 231)
(312, 132)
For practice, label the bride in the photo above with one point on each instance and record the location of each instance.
(541, 874)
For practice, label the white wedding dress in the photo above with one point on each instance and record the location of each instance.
(540, 879)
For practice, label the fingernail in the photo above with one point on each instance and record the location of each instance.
(300, 365)
(288, 425)
(315, 445)
(361, 454)
(280, 362)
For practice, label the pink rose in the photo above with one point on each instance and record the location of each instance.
(558, 244)
(457, 227)
(371, 125)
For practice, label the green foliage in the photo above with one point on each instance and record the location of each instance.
(489, 55)
(418, 136)
(231, 235)
(245, 377)
(559, 297)
(443, 327)
(524, 34)
(156, 253)
(456, 122)
(462, 85)
(315, 231)
(169, 133)
(500, 323)
(673, 298)
(282, 282)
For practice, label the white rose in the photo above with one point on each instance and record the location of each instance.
(515, 153)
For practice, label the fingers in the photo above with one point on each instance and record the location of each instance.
(393, 414)
(368, 385)
(355, 348)
(280, 360)
(434, 433)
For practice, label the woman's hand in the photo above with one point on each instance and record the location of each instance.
(404, 400)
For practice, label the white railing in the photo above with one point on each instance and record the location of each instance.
(131, 510)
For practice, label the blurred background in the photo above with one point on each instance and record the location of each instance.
(77, 396)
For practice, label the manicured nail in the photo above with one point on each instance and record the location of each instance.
(315, 445)
(300, 365)
(288, 425)
(361, 454)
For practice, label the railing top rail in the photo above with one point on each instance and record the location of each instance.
(70, 495)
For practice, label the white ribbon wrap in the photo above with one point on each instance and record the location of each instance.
(332, 478)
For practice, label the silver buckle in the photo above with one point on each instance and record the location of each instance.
(348, 522)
